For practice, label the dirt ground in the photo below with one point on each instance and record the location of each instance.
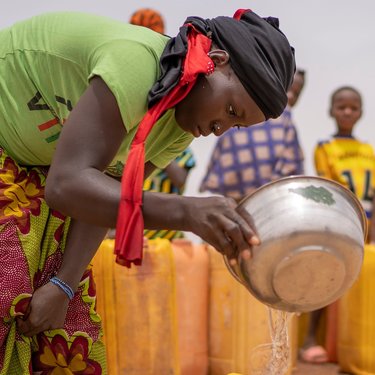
(326, 369)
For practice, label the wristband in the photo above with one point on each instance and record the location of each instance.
(63, 286)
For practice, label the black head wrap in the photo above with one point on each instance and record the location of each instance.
(260, 55)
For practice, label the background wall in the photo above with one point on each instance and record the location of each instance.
(334, 42)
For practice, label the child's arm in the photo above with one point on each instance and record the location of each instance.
(176, 174)
(290, 162)
(322, 165)
(179, 169)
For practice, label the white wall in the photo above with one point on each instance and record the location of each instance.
(334, 42)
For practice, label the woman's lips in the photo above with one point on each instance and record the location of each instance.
(196, 132)
(205, 134)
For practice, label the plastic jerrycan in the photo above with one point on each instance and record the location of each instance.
(191, 262)
(139, 311)
(238, 324)
(356, 321)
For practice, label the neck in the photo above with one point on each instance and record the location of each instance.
(344, 134)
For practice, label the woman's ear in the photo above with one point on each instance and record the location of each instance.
(219, 57)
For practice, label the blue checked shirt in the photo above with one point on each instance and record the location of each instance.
(247, 158)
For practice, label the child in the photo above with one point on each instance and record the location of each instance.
(351, 162)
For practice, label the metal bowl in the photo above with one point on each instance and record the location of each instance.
(312, 233)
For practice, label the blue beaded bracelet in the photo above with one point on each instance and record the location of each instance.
(64, 286)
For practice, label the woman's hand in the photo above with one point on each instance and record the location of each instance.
(47, 310)
(218, 221)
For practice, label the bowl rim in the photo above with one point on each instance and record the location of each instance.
(360, 210)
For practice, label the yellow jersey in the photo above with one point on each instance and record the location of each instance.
(351, 163)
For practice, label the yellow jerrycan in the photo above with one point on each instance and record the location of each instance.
(139, 311)
(191, 261)
(238, 325)
(356, 321)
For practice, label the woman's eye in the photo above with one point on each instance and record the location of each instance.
(232, 111)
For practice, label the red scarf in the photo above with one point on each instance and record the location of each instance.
(130, 225)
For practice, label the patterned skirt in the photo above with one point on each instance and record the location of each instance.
(32, 240)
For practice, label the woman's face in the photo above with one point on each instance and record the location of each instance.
(217, 102)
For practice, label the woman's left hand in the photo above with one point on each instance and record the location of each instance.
(47, 310)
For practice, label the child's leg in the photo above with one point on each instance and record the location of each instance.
(311, 352)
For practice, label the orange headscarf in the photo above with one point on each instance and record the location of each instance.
(149, 18)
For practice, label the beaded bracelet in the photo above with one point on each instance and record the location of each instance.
(64, 286)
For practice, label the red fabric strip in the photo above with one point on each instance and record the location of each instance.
(130, 224)
(240, 12)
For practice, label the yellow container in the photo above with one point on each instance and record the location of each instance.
(138, 309)
(356, 323)
(238, 323)
(192, 301)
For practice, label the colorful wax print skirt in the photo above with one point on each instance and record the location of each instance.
(32, 240)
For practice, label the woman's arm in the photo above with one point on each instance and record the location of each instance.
(216, 220)
(48, 307)
(77, 186)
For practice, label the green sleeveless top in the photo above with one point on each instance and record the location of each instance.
(46, 63)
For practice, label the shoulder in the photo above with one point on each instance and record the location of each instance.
(64, 20)
(85, 29)
(323, 146)
(324, 142)
(363, 142)
(366, 145)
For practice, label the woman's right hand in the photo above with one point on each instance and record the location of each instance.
(218, 220)
(47, 310)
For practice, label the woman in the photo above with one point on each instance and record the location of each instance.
(76, 91)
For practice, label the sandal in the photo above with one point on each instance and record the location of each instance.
(314, 354)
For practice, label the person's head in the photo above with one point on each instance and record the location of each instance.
(217, 102)
(254, 67)
(296, 87)
(346, 108)
(149, 18)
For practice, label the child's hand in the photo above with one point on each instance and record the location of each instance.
(47, 310)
